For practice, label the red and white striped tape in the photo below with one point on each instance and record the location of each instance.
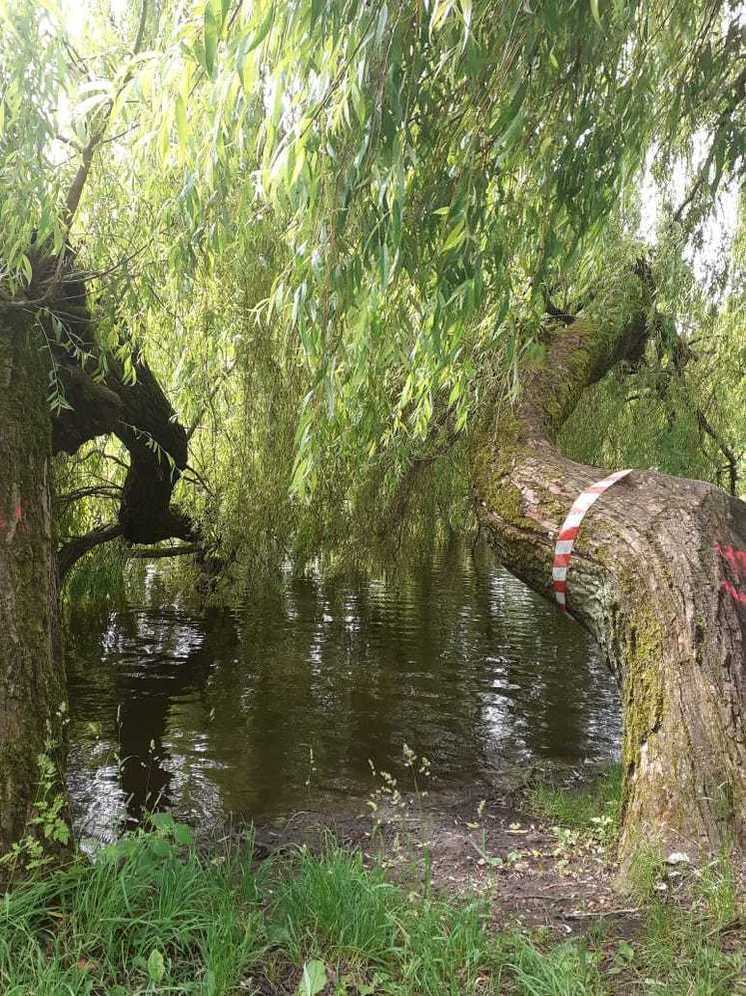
(566, 536)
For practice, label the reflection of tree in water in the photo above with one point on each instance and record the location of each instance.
(459, 661)
(174, 664)
(550, 675)
(147, 660)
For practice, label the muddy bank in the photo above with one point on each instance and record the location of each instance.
(484, 841)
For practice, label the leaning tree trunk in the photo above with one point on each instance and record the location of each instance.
(658, 577)
(31, 670)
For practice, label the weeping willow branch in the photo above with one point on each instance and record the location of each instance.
(731, 458)
(205, 407)
(75, 192)
(739, 95)
(110, 491)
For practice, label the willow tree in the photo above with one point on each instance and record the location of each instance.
(463, 184)
(423, 218)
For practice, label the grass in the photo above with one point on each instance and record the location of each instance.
(153, 915)
(594, 808)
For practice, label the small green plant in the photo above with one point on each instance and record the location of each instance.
(387, 800)
(332, 905)
(314, 978)
(47, 829)
(593, 811)
(646, 870)
(568, 969)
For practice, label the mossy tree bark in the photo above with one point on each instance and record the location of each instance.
(32, 685)
(658, 577)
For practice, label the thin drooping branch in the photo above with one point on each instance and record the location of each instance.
(731, 459)
(738, 97)
(682, 355)
(111, 491)
(98, 133)
(216, 387)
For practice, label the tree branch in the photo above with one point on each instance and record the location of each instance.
(75, 192)
(216, 387)
(739, 94)
(158, 552)
(70, 553)
(111, 491)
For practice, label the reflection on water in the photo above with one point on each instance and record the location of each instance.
(213, 713)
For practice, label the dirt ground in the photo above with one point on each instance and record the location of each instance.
(468, 844)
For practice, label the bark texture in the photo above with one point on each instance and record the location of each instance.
(658, 577)
(31, 673)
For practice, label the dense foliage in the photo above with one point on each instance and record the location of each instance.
(336, 231)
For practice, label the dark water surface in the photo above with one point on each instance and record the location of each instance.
(214, 714)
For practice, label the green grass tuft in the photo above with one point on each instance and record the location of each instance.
(331, 905)
(594, 809)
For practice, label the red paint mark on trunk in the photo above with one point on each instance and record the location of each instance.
(740, 596)
(736, 558)
(16, 521)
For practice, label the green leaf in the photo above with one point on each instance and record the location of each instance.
(466, 11)
(595, 12)
(162, 821)
(314, 978)
(211, 39)
(300, 159)
(182, 126)
(261, 32)
(183, 834)
(247, 70)
(164, 133)
(455, 237)
(156, 965)
(383, 18)
(87, 105)
(211, 983)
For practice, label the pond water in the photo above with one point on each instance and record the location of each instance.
(216, 715)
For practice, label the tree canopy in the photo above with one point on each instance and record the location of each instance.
(337, 231)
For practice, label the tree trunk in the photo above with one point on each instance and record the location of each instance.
(657, 576)
(141, 416)
(31, 671)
